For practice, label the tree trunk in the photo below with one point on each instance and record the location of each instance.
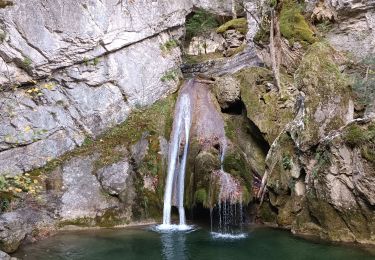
(234, 9)
(275, 58)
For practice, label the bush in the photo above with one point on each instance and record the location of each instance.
(200, 23)
(169, 45)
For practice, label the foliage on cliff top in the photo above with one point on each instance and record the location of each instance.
(293, 25)
(239, 24)
(199, 23)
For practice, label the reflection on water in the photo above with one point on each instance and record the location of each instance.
(198, 244)
(174, 246)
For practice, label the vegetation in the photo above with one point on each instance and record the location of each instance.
(293, 25)
(169, 45)
(194, 59)
(363, 138)
(93, 62)
(322, 158)
(324, 26)
(363, 83)
(287, 162)
(170, 75)
(12, 186)
(26, 63)
(200, 23)
(239, 24)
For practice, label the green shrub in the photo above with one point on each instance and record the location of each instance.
(287, 162)
(169, 76)
(200, 23)
(26, 63)
(169, 45)
(354, 136)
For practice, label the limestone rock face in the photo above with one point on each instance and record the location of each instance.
(82, 195)
(84, 66)
(16, 225)
(353, 27)
(113, 178)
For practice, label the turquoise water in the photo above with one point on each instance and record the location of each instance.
(143, 243)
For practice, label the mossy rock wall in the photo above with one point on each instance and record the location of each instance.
(268, 108)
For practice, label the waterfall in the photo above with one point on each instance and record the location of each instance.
(176, 168)
(230, 197)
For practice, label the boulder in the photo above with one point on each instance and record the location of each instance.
(114, 178)
(227, 91)
(83, 196)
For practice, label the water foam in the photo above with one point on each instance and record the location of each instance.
(228, 236)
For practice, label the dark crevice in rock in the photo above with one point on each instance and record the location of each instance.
(255, 132)
(235, 108)
(314, 219)
(199, 214)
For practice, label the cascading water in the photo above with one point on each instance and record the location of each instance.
(230, 197)
(177, 167)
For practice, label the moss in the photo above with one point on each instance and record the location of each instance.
(195, 59)
(246, 196)
(362, 137)
(239, 24)
(267, 109)
(319, 77)
(329, 218)
(111, 218)
(201, 196)
(200, 23)
(171, 75)
(156, 119)
(335, 123)
(169, 45)
(293, 25)
(266, 214)
(26, 63)
(232, 52)
(287, 162)
(323, 159)
(236, 165)
(355, 136)
(80, 222)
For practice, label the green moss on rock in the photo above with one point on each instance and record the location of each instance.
(239, 24)
(269, 110)
(293, 25)
(327, 92)
(201, 196)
